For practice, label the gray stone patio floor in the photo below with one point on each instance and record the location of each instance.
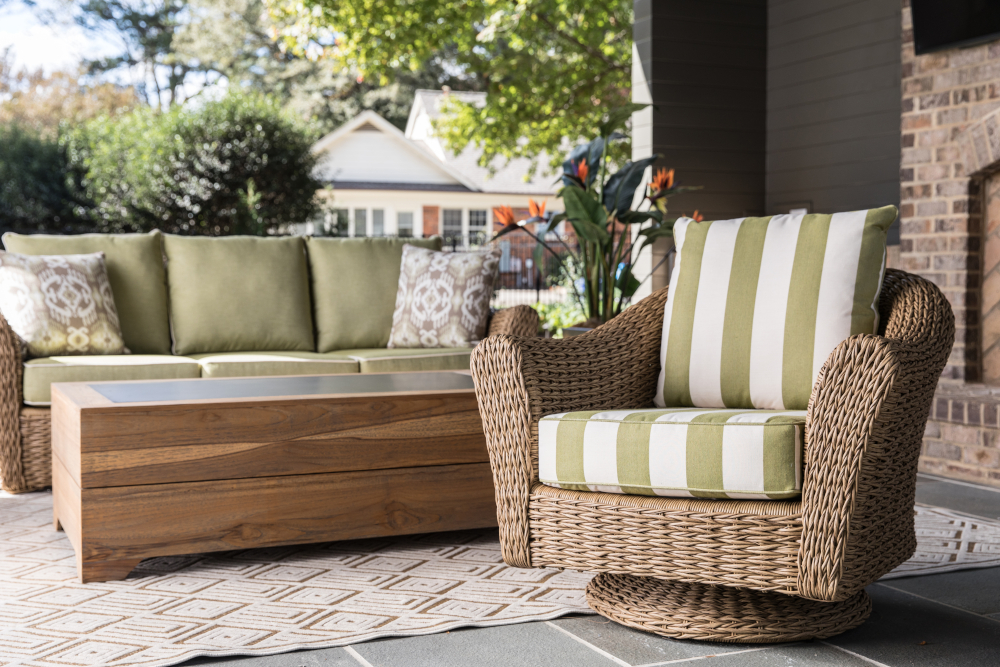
(951, 620)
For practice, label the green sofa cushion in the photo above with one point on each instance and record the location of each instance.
(238, 293)
(354, 284)
(398, 360)
(135, 271)
(678, 452)
(259, 364)
(40, 373)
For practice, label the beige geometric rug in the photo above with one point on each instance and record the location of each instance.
(256, 601)
(949, 541)
(267, 601)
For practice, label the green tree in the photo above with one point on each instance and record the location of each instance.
(551, 68)
(233, 40)
(241, 165)
(38, 189)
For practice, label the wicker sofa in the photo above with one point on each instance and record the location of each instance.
(724, 570)
(345, 290)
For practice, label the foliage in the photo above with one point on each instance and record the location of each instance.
(38, 101)
(555, 317)
(599, 208)
(549, 67)
(240, 165)
(37, 189)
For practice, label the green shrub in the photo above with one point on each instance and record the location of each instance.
(239, 165)
(38, 191)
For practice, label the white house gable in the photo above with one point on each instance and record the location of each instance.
(368, 153)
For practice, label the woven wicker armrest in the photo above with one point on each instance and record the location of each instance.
(11, 467)
(514, 321)
(520, 380)
(867, 415)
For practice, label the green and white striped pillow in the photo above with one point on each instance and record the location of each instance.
(678, 452)
(756, 305)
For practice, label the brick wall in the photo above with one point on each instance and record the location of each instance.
(950, 150)
(940, 223)
(432, 217)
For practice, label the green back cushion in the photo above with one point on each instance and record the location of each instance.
(756, 305)
(238, 293)
(354, 285)
(135, 271)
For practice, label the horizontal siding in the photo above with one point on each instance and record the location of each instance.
(833, 104)
(705, 64)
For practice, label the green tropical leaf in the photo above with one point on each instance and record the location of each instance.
(627, 282)
(619, 191)
(582, 206)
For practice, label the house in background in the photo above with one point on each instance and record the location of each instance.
(391, 183)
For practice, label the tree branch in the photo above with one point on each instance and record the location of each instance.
(596, 53)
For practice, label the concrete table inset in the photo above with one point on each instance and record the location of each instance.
(166, 467)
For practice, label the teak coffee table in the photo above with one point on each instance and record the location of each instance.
(154, 468)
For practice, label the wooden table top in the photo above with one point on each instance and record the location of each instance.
(227, 389)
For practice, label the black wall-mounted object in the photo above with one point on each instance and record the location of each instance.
(949, 24)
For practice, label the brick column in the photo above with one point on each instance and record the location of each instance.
(432, 217)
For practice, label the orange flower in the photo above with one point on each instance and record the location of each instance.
(662, 180)
(535, 209)
(697, 217)
(503, 216)
(580, 170)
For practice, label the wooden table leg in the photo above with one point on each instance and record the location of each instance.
(105, 570)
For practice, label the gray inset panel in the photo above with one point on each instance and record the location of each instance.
(305, 385)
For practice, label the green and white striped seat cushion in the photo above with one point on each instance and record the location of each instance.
(679, 452)
(756, 305)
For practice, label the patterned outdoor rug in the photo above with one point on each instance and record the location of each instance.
(948, 541)
(266, 601)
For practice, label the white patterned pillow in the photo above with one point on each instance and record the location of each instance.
(443, 298)
(60, 304)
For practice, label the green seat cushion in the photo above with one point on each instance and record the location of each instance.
(354, 285)
(259, 364)
(398, 360)
(135, 271)
(678, 452)
(40, 373)
(756, 305)
(238, 294)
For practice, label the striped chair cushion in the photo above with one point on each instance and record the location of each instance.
(679, 452)
(756, 305)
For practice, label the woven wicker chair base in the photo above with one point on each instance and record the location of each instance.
(720, 613)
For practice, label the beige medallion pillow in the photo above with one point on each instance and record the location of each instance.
(60, 304)
(443, 298)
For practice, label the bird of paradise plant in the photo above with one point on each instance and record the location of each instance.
(600, 209)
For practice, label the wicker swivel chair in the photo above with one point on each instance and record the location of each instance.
(724, 570)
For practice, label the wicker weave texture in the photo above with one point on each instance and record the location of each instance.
(12, 475)
(514, 321)
(720, 613)
(854, 523)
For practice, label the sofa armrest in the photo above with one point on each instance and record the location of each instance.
(867, 415)
(514, 321)
(520, 380)
(11, 467)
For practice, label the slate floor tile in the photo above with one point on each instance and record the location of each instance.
(907, 630)
(524, 645)
(635, 647)
(328, 657)
(808, 654)
(974, 590)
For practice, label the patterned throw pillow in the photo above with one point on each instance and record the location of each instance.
(443, 298)
(756, 305)
(60, 304)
